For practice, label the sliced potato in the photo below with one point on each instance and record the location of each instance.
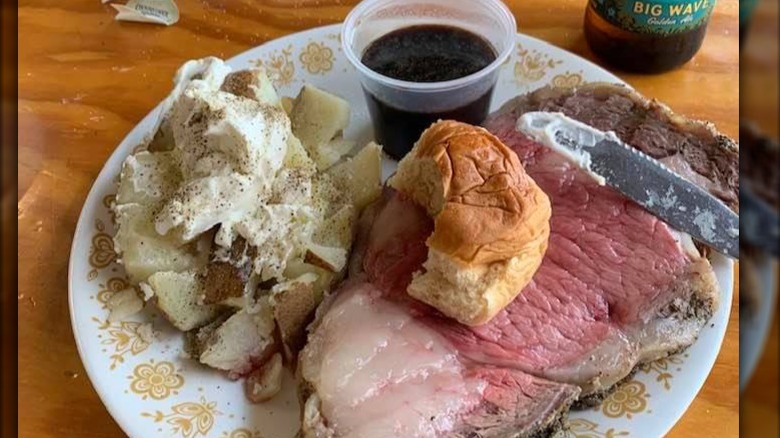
(195, 341)
(294, 304)
(296, 156)
(147, 178)
(361, 175)
(317, 118)
(143, 252)
(330, 154)
(337, 230)
(243, 340)
(327, 257)
(178, 296)
(298, 268)
(253, 84)
(265, 382)
(225, 280)
(328, 197)
(287, 104)
(124, 303)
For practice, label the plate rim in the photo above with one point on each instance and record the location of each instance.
(768, 272)
(124, 422)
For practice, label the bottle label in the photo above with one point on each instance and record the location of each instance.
(655, 17)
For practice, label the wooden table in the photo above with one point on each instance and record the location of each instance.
(85, 80)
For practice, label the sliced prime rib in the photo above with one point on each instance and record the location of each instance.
(692, 148)
(617, 288)
(375, 370)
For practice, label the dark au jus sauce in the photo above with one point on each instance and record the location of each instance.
(425, 53)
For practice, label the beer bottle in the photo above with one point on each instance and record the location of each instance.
(649, 36)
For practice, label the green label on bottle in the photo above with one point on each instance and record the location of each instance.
(655, 17)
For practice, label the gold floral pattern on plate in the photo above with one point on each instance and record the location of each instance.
(155, 380)
(626, 401)
(124, 337)
(112, 286)
(663, 368)
(101, 252)
(532, 65)
(567, 80)
(582, 428)
(279, 66)
(108, 202)
(241, 433)
(317, 58)
(189, 419)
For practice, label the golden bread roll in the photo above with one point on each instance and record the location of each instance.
(491, 220)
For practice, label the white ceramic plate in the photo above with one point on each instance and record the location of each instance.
(754, 329)
(152, 391)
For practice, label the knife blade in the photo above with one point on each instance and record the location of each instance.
(680, 203)
(760, 224)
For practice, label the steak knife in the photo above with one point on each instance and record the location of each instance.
(678, 202)
(760, 224)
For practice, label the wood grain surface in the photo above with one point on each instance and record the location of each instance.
(85, 80)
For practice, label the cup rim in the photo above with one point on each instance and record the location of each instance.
(349, 25)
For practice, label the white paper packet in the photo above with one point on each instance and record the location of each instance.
(148, 11)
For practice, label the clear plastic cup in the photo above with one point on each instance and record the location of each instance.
(390, 101)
